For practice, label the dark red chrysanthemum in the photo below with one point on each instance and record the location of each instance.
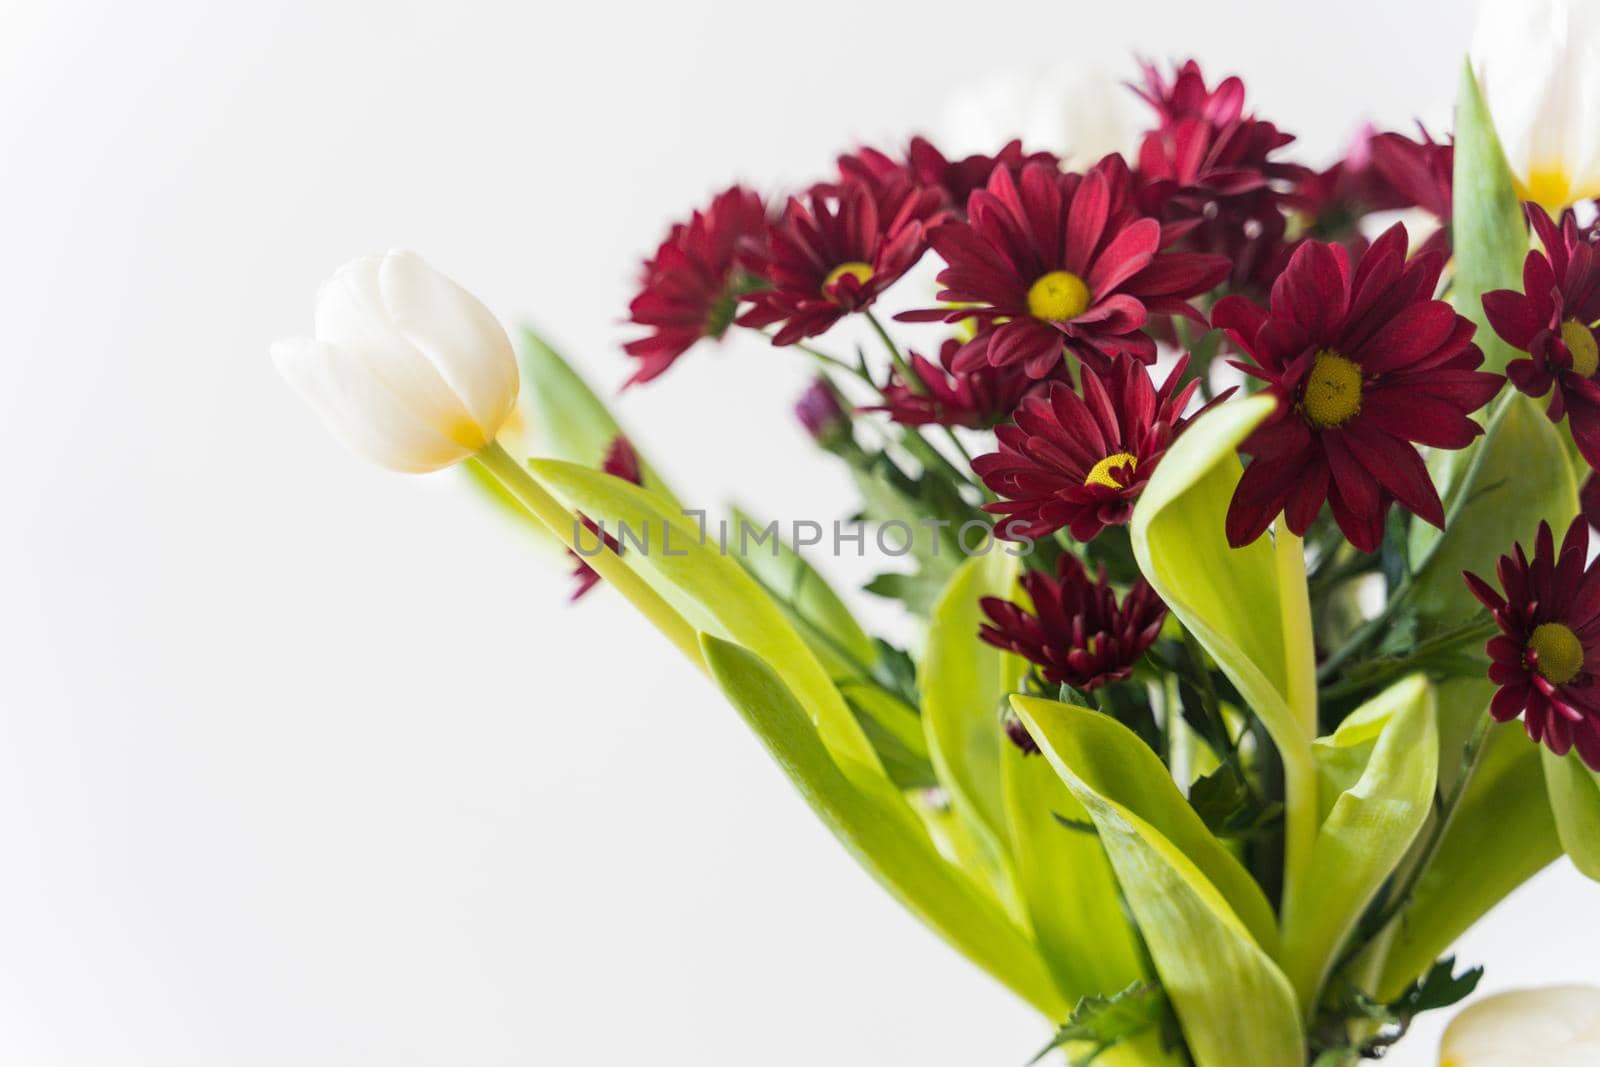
(621, 461)
(1546, 659)
(1060, 260)
(1365, 367)
(1080, 463)
(691, 287)
(835, 252)
(1208, 167)
(926, 166)
(1552, 322)
(1077, 633)
(939, 395)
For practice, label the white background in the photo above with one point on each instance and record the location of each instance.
(305, 762)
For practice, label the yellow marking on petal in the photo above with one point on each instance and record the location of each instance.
(861, 272)
(1579, 340)
(1547, 184)
(1058, 297)
(1101, 473)
(1558, 652)
(1332, 395)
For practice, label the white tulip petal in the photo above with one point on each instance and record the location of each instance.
(1554, 1027)
(351, 314)
(360, 409)
(445, 322)
(1538, 62)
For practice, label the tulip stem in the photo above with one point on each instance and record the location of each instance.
(522, 485)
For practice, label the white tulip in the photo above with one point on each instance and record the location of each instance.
(406, 367)
(1538, 62)
(1554, 1027)
(1079, 112)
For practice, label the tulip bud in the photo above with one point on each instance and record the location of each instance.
(1538, 63)
(1554, 1027)
(407, 368)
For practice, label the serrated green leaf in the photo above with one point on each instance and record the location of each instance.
(1575, 800)
(884, 835)
(1202, 917)
(1366, 833)
(1102, 1022)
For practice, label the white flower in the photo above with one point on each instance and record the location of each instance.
(1538, 62)
(1554, 1027)
(1078, 112)
(406, 367)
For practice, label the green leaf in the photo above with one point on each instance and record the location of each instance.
(1517, 476)
(559, 417)
(1094, 752)
(1366, 832)
(1234, 600)
(1575, 800)
(964, 686)
(1248, 607)
(715, 595)
(1066, 882)
(818, 613)
(1104, 1021)
(1488, 235)
(1204, 920)
(1502, 835)
(884, 835)
(846, 652)
(1229, 806)
(1439, 988)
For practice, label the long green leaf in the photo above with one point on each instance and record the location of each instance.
(816, 610)
(1235, 1005)
(1092, 751)
(1367, 831)
(964, 683)
(1575, 800)
(1067, 884)
(1229, 598)
(1518, 475)
(1247, 606)
(1488, 235)
(1502, 835)
(716, 596)
(887, 839)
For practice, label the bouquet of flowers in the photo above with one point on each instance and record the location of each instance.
(1246, 523)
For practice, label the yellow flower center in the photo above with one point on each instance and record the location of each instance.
(1101, 473)
(861, 272)
(1332, 394)
(1579, 340)
(1548, 184)
(1558, 652)
(1058, 297)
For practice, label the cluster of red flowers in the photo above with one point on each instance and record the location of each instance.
(1059, 286)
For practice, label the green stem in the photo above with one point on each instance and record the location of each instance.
(1475, 631)
(562, 524)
